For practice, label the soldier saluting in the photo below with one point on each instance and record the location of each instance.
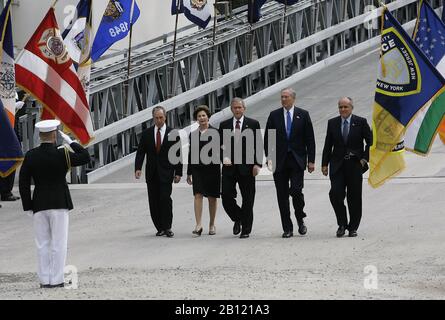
(51, 201)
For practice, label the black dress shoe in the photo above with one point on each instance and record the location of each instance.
(10, 198)
(341, 231)
(244, 235)
(236, 228)
(302, 228)
(169, 233)
(45, 286)
(59, 285)
(160, 233)
(287, 234)
(352, 233)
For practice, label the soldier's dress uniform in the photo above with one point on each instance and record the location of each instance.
(51, 201)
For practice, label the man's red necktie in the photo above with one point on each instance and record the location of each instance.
(158, 141)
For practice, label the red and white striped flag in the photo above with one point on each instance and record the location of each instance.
(45, 70)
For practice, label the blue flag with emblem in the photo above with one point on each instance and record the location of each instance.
(407, 81)
(197, 11)
(10, 149)
(115, 25)
(7, 72)
(76, 35)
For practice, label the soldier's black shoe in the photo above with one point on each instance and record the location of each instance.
(169, 233)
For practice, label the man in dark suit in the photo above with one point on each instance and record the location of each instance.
(347, 157)
(160, 170)
(293, 149)
(51, 201)
(241, 164)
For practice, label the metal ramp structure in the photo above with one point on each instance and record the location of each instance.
(243, 59)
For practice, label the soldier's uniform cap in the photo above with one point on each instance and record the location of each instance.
(47, 125)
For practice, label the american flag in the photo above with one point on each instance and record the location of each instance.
(430, 35)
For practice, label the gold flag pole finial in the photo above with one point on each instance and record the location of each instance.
(26, 96)
(382, 3)
(382, 63)
(54, 4)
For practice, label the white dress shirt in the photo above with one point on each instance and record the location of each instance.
(241, 120)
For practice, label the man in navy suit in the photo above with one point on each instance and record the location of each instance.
(347, 157)
(293, 149)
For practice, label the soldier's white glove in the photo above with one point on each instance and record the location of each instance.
(66, 137)
(29, 213)
(19, 105)
(270, 165)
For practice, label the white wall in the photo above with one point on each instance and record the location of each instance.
(154, 21)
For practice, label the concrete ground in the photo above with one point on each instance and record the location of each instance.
(399, 253)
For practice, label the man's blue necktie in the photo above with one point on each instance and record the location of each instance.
(289, 124)
(345, 131)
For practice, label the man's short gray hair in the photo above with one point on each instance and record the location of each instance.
(350, 100)
(158, 108)
(236, 99)
(291, 91)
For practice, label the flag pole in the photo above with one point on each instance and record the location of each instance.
(176, 29)
(129, 58)
(129, 40)
(284, 24)
(172, 81)
(250, 34)
(54, 4)
(214, 21)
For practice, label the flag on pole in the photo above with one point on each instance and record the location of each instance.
(75, 34)
(254, 10)
(429, 35)
(45, 70)
(115, 25)
(407, 82)
(10, 149)
(77, 38)
(7, 73)
(197, 11)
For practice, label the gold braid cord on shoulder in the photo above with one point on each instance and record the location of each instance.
(68, 159)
